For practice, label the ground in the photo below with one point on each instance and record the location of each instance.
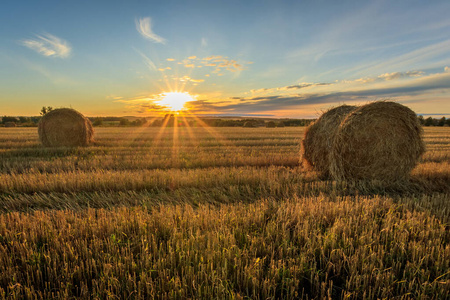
(215, 213)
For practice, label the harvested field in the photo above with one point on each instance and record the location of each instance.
(217, 212)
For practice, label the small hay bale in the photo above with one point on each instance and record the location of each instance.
(318, 139)
(65, 127)
(378, 141)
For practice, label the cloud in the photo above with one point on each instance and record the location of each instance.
(411, 91)
(415, 87)
(388, 76)
(170, 59)
(144, 27)
(142, 104)
(49, 45)
(54, 77)
(197, 80)
(302, 86)
(304, 99)
(447, 69)
(150, 64)
(289, 87)
(397, 75)
(187, 78)
(204, 42)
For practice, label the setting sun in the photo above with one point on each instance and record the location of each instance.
(175, 101)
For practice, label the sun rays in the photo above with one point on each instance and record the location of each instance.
(180, 130)
(172, 114)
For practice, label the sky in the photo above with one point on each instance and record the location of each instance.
(249, 58)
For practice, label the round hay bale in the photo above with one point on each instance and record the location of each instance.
(380, 140)
(318, 139)
(65, 127)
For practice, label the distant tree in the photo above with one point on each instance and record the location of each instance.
(441, 122)
(447, 122)
(6, 119)
(249, 123)
(270, 124)
(23, 120)
(35, 120)
(138, 122)
(157, 123)
(280, 124)
(97, 122)
(421, 120)
(124, 122)
(429, 121)
(143, 121)
(45, 110)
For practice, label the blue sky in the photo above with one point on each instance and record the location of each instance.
(278, 58)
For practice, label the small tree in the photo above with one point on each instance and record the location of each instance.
(429, 121)
(23, 120)
(45, 110)
(6, 119)
(124, 122)
(270, 124)
(421, 120)
(249, 124)
(97, 122)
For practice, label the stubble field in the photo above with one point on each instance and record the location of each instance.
(215, 213)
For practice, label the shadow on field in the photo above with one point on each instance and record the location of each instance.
(46, 153)
(294, 183)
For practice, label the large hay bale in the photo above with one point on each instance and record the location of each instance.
(380, 140)
(318, 139)
(65, 127)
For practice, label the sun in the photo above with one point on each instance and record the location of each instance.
(175, 101)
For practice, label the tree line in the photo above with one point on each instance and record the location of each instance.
(170, 120)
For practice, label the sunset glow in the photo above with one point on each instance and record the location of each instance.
(175, 101)
(293, 60)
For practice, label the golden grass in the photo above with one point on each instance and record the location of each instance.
(227, 214)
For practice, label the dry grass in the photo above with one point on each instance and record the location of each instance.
(227, 214)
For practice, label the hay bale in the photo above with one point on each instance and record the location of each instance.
(65, 127)
(380, 140)
(318, 139)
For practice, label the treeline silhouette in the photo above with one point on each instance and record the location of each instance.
(170, 120)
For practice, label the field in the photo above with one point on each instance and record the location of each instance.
(222, 213)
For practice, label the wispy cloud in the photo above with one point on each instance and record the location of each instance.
(49, 45)
(54, 77)
(410, 88)
(144, 27)
(299, 86)
(150, 64)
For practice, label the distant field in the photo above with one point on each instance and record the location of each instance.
(215, 213)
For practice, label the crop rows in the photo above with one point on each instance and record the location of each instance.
(215, 213)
